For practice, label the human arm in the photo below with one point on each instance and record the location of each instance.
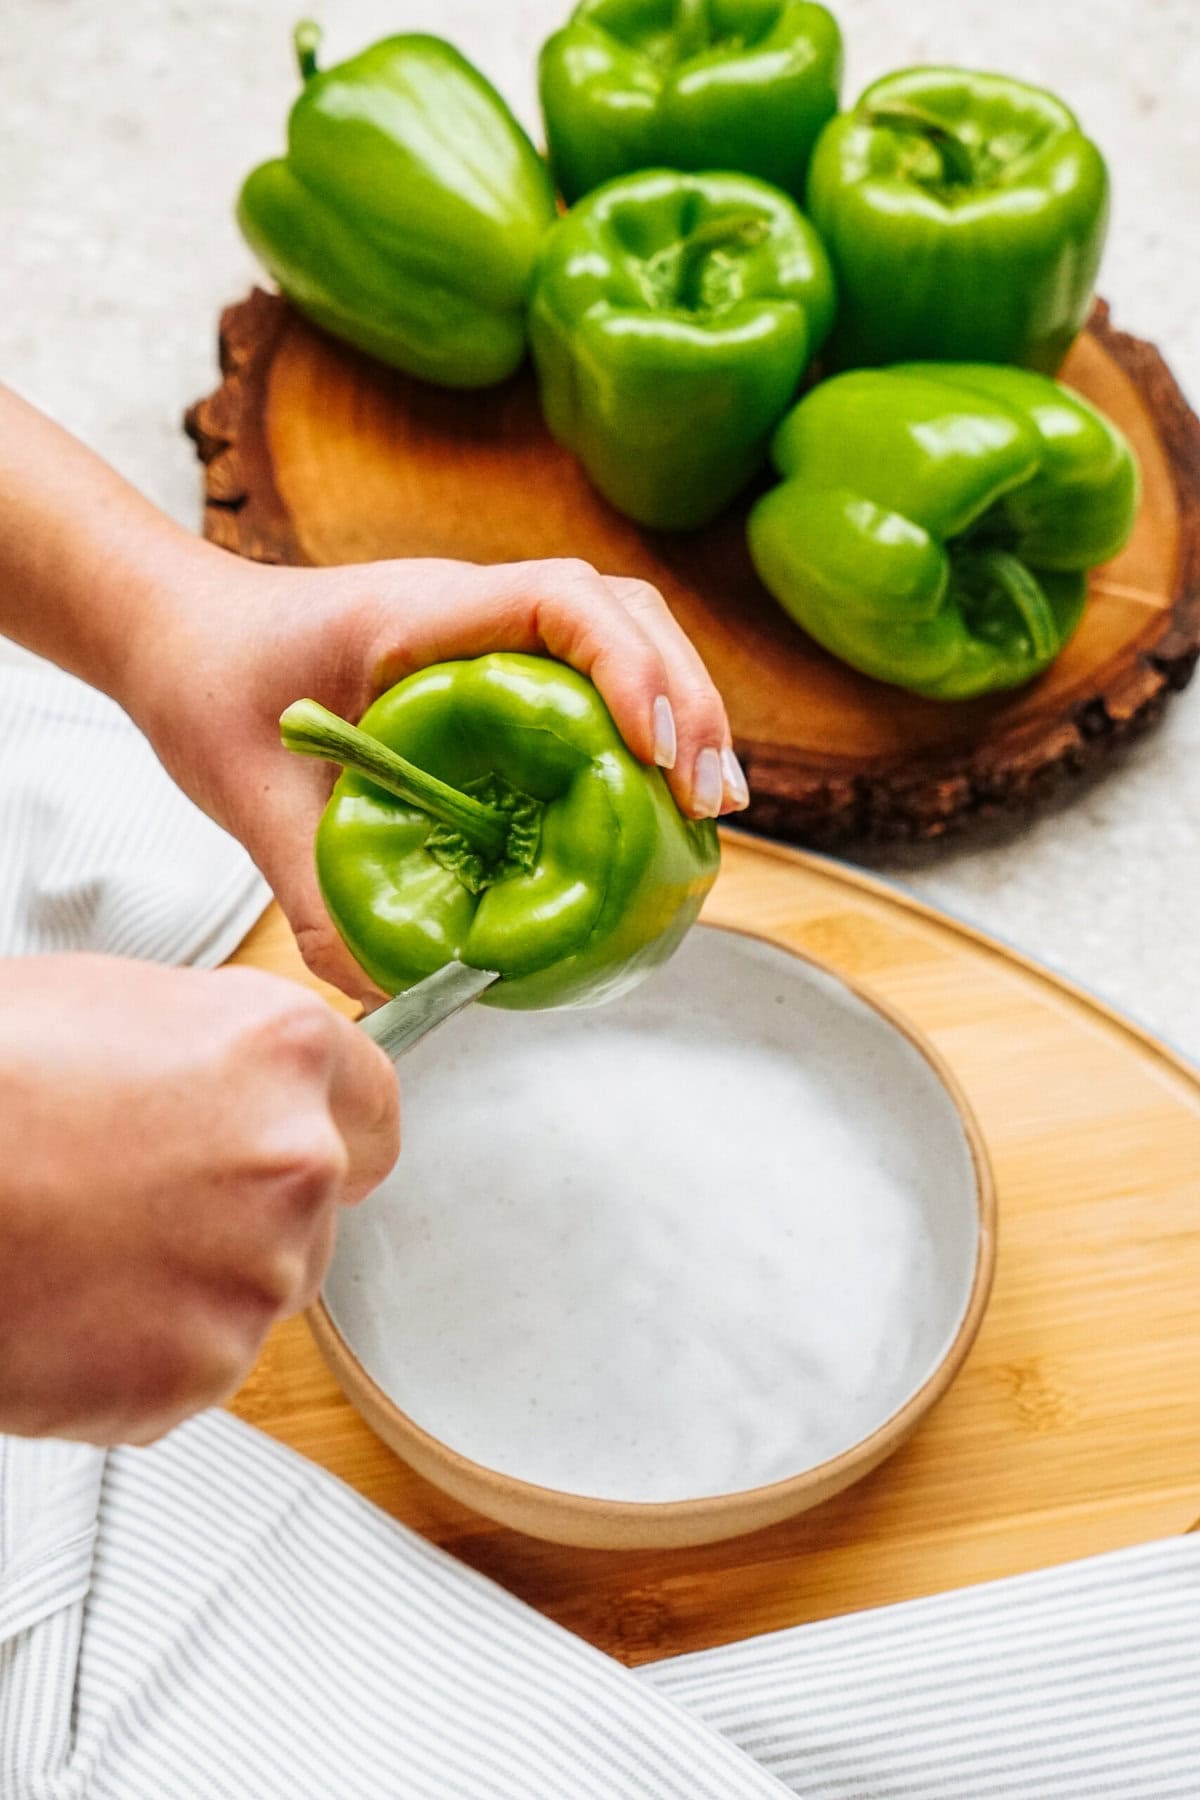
(205, 650)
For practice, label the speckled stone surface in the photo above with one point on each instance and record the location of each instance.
(125, 132)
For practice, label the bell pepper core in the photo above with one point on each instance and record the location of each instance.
(965, 217)
(550, 854)
(744, 85)
(407, 214)
(482, 842)
(672, 318)
(937, 521)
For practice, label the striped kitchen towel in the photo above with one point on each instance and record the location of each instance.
(1076, 1683)
(254, 1630)
(99, 850)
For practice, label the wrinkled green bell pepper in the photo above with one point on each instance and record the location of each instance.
(517, 833)
(965, 215)
(936, 521)
(689, 84)
(408, 212)
(672, 318)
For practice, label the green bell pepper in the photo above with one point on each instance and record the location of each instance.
(689, 84)
(672, 318)
(522, 836)
(936, 521)
(408, 212)
(965, 215)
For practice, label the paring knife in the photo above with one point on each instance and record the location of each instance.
(400, 1023)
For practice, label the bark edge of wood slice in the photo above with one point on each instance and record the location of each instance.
(315, 454)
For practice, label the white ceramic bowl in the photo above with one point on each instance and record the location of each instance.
(669, 1270)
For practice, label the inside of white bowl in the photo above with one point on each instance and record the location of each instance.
(696, 1241)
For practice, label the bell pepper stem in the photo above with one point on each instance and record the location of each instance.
(310, 729)
(693, 29)
(306, 39)
(728, 231)
(900, 115)
(1001, 570)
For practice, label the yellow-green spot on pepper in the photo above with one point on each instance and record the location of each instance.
(937, 521)
(408, 212)
(965, 215)
(689, 84)
(672, 318)
(494, 816)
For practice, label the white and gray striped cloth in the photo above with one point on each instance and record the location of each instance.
(216, 1619)
(99, 850)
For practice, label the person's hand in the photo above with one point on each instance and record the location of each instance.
(234, 643)
(173, 1149)
(205, 650)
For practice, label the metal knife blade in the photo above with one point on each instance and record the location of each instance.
(400, 1023)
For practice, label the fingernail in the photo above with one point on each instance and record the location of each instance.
(707, 787)
(664, 733)
(736, 785)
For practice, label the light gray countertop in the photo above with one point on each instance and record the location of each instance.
(126, 131)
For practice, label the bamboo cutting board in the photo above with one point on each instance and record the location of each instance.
(1075, 1425)
(315, 454)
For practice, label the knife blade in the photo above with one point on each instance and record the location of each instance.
(404, 1021)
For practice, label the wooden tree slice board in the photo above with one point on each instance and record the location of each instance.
(315, 454)
(1074, 1426)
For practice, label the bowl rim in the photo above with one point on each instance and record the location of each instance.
(770, 1499)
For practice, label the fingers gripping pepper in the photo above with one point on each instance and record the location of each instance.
(491, 813)
(937, 521)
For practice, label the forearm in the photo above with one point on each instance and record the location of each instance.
(84, 558)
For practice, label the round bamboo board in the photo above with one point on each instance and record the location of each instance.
(1073, 1425)
(315, 454)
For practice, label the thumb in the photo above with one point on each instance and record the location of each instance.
(281, 840)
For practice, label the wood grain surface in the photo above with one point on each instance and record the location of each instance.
(315, 454)
(1074, 1426)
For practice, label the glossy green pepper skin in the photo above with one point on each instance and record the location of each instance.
(672, 318)
(936, 521)
(689, 84)
(408, 212)
(616, 876)
(965, 215)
